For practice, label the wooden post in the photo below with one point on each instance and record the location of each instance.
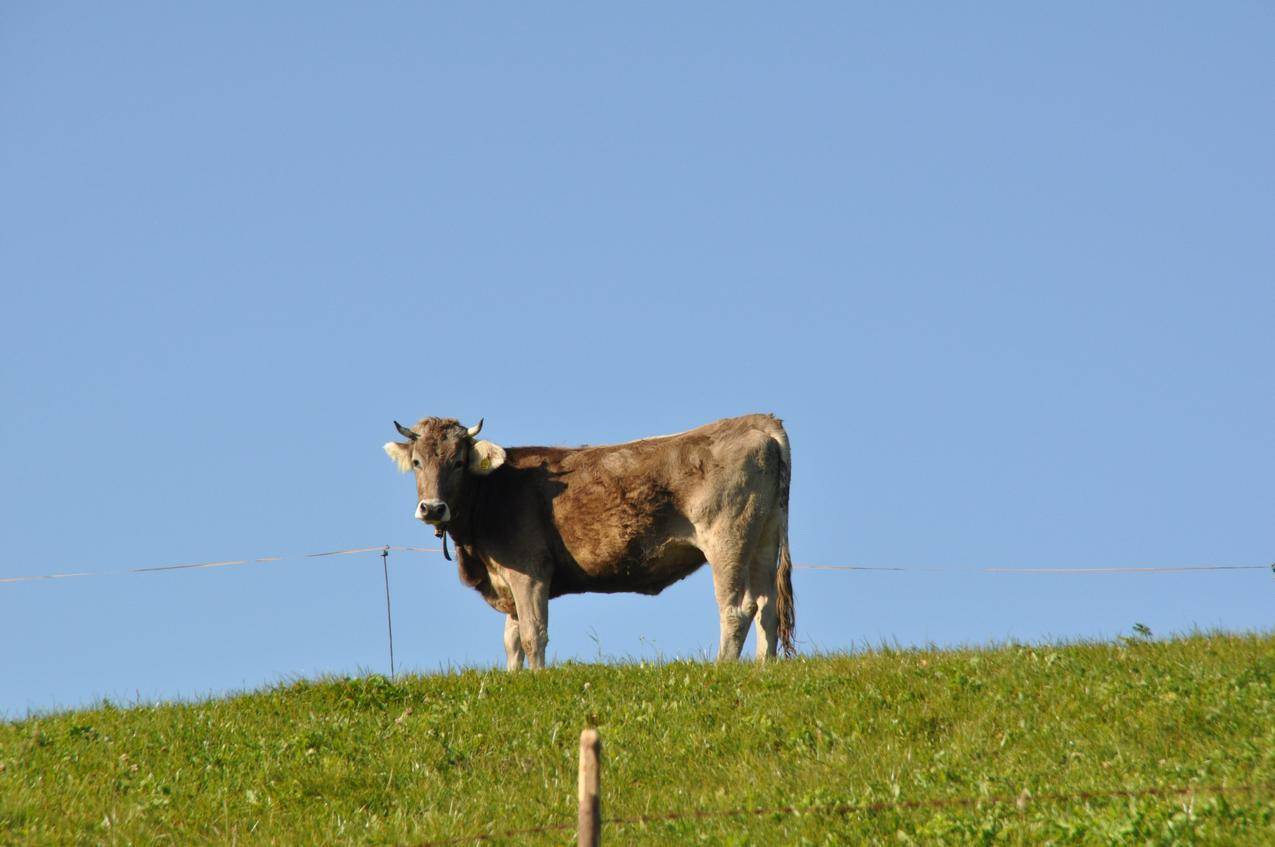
(589, 828)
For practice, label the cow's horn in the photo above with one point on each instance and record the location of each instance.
(476, 428)
(405, 432)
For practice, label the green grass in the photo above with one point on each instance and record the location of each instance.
(366, 761)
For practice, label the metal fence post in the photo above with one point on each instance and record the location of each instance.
(589, 826)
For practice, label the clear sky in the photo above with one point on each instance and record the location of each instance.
(1007, 272)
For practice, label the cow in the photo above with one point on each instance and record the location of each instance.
(532, 523)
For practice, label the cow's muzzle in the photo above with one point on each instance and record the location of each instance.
(433, 512)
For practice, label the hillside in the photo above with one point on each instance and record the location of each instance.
(360, 761)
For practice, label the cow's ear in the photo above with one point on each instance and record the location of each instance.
(400, 453)
(485, 457)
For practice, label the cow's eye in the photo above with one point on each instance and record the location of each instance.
(416, 463)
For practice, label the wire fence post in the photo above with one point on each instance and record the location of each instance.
(389, 621)
(589, 825)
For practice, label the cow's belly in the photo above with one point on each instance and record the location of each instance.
(621, 533)
(647, 571)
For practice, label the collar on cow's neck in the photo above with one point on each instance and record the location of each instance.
(441, 532)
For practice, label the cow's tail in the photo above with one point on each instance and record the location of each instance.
(785, 605)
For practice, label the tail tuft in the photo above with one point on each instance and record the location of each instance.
(785, 605)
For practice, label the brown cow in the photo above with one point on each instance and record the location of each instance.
(531, 523)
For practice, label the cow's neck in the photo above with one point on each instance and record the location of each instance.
(462, 527)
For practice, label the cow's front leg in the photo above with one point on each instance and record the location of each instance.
(531, 599)
(513, 644)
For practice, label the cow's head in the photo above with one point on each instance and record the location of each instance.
(443, 453)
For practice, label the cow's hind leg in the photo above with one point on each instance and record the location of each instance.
(513, 644)
(735, 604)
(761, 585)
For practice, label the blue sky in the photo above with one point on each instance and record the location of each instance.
(1007, 273)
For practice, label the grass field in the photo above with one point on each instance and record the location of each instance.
(367, 761)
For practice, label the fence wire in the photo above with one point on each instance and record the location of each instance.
(1050, 570)
(226, 563)
(381, 548)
